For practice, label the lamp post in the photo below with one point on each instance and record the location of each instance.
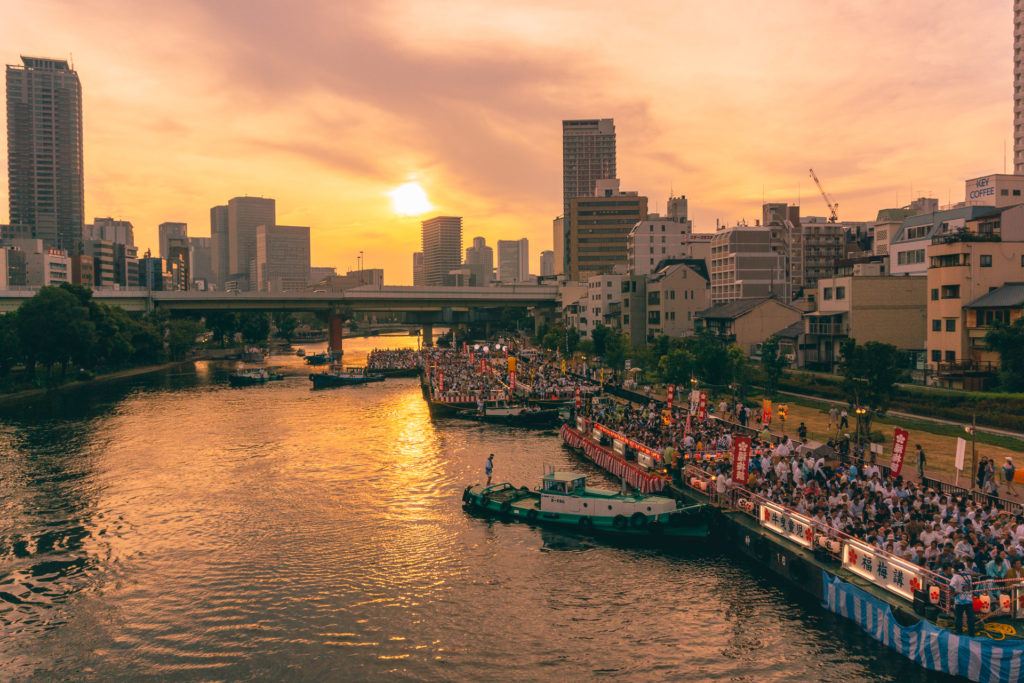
(970, 429)
(861, 411)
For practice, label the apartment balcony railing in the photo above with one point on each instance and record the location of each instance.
(824, 329)
(967, 367)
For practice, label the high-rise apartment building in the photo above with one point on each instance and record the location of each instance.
(558, 243)
(44, 150)
(442, 248)
(599, 227)
(219, 261)
(547, 263)
(480, 261)
(750, 263)
(1018, 88)
(179, 263)
(282, 258)
(110, 230)
(513, 261)
(168, 231)
(245, 214)
(588, 155)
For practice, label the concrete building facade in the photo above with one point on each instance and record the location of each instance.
(219, 260)
(282, 258)
(588, 155)
(547, 263)
(599, 228)
(1018, 86)
(676, 292)
(513, 261)
(442, 248)
(245, 214)
(558, 244)
(748, 322)
(480, 261)
(750, 263)
(167, 231)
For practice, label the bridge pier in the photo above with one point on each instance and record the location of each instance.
(335, 333)
(428, 335)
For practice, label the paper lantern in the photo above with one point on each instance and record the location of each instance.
(933, 594)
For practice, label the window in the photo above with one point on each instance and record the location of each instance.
(951, 325)
(986, 260)
(936, 326)
(950, 291)
(1004, 193)
(625, 318)
(936, 355)
(1016, 193)
(950, 356)
(827, 294)
(935, 295)
(840, 293)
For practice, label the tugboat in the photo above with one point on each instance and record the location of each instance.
(564, 500)
(516, 416)
(318, 359)
(343, 378)
(247, 377)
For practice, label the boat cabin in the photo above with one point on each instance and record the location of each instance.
(564, 483)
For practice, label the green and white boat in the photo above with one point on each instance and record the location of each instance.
(564, 500)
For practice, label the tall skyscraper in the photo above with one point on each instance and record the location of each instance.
(1018, 88)
(170, 230)
(547, 263)
(442, 248)
(245, 214)
(558, 243)
(417, 268)
(282, 258)
(588, 155)
(219, 262)
(200, 260)
(44, 150)
(480, 261)
(513, 261)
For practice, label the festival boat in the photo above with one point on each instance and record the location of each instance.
(247, 377)
(516, 416)
(343, 378)
(398, 372)
(318, 359)
(253, 354)
(564, 500)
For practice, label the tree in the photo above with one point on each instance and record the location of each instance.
(740, 367)
(181, 336)
(773, 361)
(870, 373)
(677, 366)
(222, 325)
(54, 327)
(1008, 342)
(255, 327)
(286, 324)
(10, 343)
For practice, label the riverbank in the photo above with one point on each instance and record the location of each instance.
(29, 394)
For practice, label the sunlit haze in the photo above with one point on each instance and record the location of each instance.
(329, 107)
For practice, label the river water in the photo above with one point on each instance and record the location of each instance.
(171, 526)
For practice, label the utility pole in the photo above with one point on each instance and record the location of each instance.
(974, 454)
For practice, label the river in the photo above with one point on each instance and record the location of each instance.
(171, 526)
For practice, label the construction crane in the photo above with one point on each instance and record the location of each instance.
(832, 206)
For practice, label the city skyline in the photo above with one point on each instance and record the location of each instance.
(183, 137)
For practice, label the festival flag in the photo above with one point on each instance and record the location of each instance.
(766, 412)
(511, 364)
(899, 447)
(668, 401)
(512, 380)
(740, 459)
(440, 382)
(579, 399)
(702, 406)
(563, 366)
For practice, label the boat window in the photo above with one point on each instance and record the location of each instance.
(609, 507)
(648, 508)
(584, 505)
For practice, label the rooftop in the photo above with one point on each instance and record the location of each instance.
(737, 309)
(1009, 295)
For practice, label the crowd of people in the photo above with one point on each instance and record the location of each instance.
(393, 359)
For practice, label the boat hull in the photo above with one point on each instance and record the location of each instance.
(541, 419)
(399, 372)
(327, 381)
(504, 501)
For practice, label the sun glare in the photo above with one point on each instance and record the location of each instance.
(409, 199)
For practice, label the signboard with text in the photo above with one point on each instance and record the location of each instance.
(891, 573)
(702, 406)
(790, 525)
(899, 449)
(740, 459)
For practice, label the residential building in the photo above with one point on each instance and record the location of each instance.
(219, 245)
(282, 258)
(44, 150)
(513, 261)
(678, 210)
(480, 261)
(547, 263)
(603, 302)
(821, 248)
(963, 265)
(558, 243)
(634, 308)
(12, 268)
(245, 214)
(82, 271)
(588, 155)
(996, 189)
(750, 263)
(168, 231)
(656, 239)
(1001, 305)
(178, 262)
(102, 253)
(866, 306)
(110, 230)
(368, 277)
(599, 227)
(1018, 86)
(418, 274)
(676, 291)
(200, 260)
(126, 265)
(442, 248)
(747, 322)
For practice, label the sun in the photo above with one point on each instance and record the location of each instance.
(409, 199)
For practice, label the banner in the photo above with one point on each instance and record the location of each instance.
(668, 402)
(891, 573)
(961, 449)
(766, 412)
(899, 447)
(702, 406)
(440, 382)
(563, 366)
(512, 363)
(694, 400)
(791, 525)
(740, 459)
(512, 380)
(579, 400)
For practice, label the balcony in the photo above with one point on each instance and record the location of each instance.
(827, 329)
(965, 236)
(966, 368)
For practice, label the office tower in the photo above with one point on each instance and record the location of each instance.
(513, 261)
(599, 227)
(126, 265)
(588, 155)
(480, 261)
(417, 268)
(43, 266)
(558, 242)
(102, 253)
(678, 209)
(178, 263)
(442, 248)
(245, 214)
(750, 263)
(200, 258)
(44, 150)
(153, 274)
(219, 245)
(1018, 88)
(547, 263)
(13, 268)
(282, 258)
(169, 230)
(110, 230)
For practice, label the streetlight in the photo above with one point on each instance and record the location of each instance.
(861, 411)
(970, 429)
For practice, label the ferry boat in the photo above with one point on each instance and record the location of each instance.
(343, 378)
(564, 500)
(516, 415)
(247, 377)
(318, 359)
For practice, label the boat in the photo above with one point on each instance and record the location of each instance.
(253, 354)
(247, 377)
(300, 352)
(517, 415)
(343, 378)
(398, 372)
(564, 500)
(318, 359)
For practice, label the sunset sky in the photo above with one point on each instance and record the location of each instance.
(328, 106)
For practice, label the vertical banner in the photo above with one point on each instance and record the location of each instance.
(512, 364)
(961, 450)
(472, 359)
(579, 399)
(694, 400)
(899, 447)
(702, 407)
(563, 366)
(740, 459)
(602, 376)
(668, 401)
(766, 412)
(689, 424)
(512, 381)
(440, 382)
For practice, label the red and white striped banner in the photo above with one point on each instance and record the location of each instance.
(611, 462)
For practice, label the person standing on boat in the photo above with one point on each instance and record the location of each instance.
(963, 599)
(489, 468)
